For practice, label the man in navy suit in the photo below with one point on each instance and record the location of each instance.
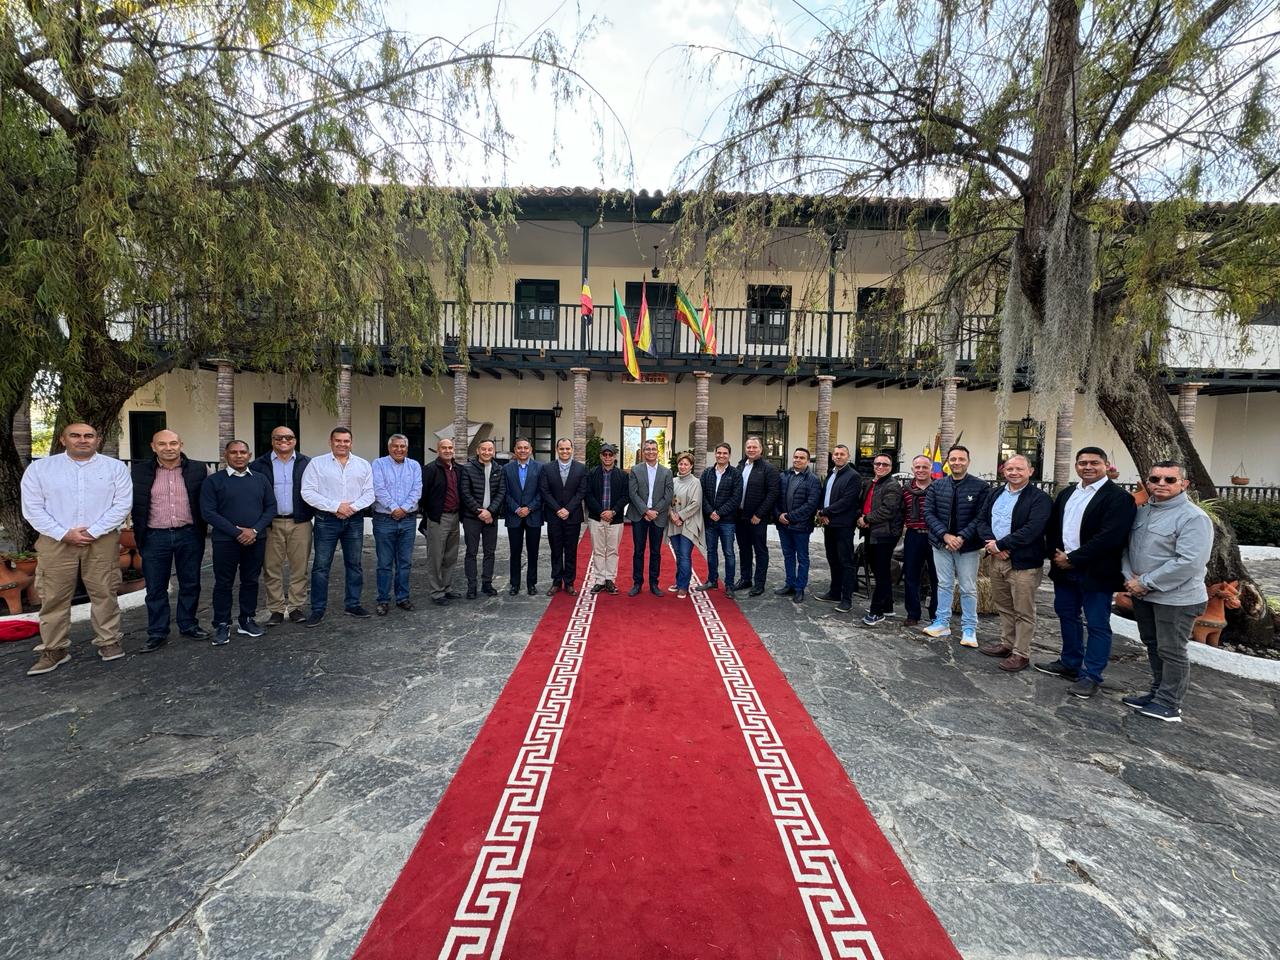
(563, 485)
(524, 513)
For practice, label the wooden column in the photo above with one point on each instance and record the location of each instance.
(580, 375)
(823, 438)
(947, 424)
(1062, 442)
(461, 387)
(1188, 395)
(701, 410)
(344, 396)
(226, 404)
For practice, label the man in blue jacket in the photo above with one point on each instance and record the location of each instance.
(721, 491)
(524, 513)
(239, 506)
(1012, 529)
(289, 540)
(952, 508)
(799, 494)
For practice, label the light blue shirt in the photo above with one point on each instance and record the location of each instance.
(652, 472)
(282, 480)
(523, 469)
(1002, 512)
(396, 485)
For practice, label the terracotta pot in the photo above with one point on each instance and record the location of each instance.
(137, 560)
(25, 566)
(1210, 624)
(128, 540)
(126, 558)
(1240, 481)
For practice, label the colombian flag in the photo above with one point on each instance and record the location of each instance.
(936, 456)
(644, 335)
(624, 327)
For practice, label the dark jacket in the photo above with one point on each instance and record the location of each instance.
(761, 491)
(619, 493)
(725, 503)
(568, 495)
(798, 497)
(966, 498)
(434, 487)
(530, 496)
(471, 489)
(846, 498)
(1026, 539)
(1104, 531)
(884, 519)
(144, 477)
(302, 511)
(229, 503)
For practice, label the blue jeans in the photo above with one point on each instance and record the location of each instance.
(393, 542)
(683, 548)
(720, 537)
(328, 531)
(162, 550)
(1068, 603)
(795, 557)
(953, 567)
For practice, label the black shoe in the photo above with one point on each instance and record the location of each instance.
(404, 604)
(797, 596)
(827, 598)
(844, 606)
(381, 609)
(359, 612)
(728, 593)
(440, 601)
(453, 596)
(197, 633)
(634, 591)
(532, 591)
(154, 643)
(313, 620)
(742, 585)
(515, 590)
(784, 591)
(1058, 669)
(250, 628)
(706, 585)
(471, 594)
(1158, 711)
(600, 587)
(755, 591)
(1137, 703)
(221, 634)
(297, 616)
(611, 586)
(1084, 688)
(488, 590)
(274, 620)
(655, 589)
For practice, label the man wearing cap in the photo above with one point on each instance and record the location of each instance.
(604, 500)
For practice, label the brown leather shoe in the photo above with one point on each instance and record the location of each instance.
(570, 591)
(995, 649)
(1013, 663)
(911, 622)
(555, 588)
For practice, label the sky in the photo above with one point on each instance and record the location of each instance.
(662, 98)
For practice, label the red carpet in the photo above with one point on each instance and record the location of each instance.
(648, 785)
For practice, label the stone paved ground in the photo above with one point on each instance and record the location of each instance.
(257, 801)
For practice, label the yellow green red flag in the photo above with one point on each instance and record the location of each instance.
(688, 315)
(624, 327)
(644, 332)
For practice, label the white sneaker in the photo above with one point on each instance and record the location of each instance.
(937, 630)
(969, 639)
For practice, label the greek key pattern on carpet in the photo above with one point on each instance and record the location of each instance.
(484, 912)
(838, 924)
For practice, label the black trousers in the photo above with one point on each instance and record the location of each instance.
(838, 543)
(229, 557)
(519, 539)
(475, 533)
(563, 536)
(753, 550)
(880, 557)
(646, 532)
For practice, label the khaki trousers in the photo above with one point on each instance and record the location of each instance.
(605, 538)
(288, 542)
(442, 554)
(98, 565)
(1013, 593)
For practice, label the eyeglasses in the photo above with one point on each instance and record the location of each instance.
(283, 437)
(1155, 479)
(885, 465)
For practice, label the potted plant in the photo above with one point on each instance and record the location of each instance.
(23, 560)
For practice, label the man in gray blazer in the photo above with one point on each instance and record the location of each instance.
(651, 490)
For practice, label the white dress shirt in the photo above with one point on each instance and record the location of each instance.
(652, 471)
(327, 484)
(59, 493)
(746, 473)
(1073, 512)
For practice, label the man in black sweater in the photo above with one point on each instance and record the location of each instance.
(239, 506)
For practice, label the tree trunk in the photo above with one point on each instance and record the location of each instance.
(1147, 423)
(11, 467)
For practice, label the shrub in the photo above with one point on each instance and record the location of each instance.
(1257, 522)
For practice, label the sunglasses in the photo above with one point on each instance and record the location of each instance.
(1155, 479)
(284, 438)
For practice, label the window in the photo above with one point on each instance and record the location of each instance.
(537, 309)
(1026, 438)
(876, 333)
(143, 425)
(772, 432)
(411, 421)
(661, 300)
(1267, 316)
(877, 435)
(268, 416)
(768, 312)
(539, 427)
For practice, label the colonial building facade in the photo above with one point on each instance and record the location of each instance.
(808, 356)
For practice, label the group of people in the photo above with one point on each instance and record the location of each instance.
(267, 517)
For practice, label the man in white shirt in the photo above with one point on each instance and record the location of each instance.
(339, 485)
(397, 488)
(77, 501)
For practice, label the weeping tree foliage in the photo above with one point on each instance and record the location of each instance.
(246, 178)
(1103, 163)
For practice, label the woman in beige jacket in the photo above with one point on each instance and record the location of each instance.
(685, 529)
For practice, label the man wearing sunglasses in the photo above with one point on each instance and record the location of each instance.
(1164, 567)
(289, 539)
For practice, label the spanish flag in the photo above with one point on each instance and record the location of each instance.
(644, 333)
(708, 328)
(624, 327)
